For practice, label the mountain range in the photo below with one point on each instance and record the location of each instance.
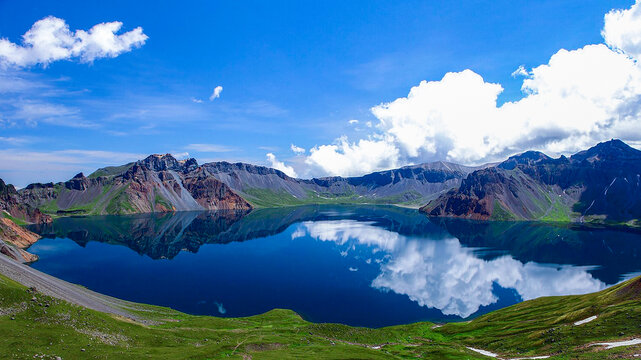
(598, 184)
(601, 184)
(160, 183)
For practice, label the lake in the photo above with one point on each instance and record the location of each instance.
(357, 265)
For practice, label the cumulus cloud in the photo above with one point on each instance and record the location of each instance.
(622, 30)
(353, 122)
(279, 165)
(216, 94)
(50, 40)
(347, 159)
(578, 98)
(297, 149)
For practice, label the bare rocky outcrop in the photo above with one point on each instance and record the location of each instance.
(14, 239)
(11, 203)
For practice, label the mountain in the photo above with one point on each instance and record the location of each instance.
(13, 213)
(410, 185)
(601, 184)
(161, 183)
(158, 183)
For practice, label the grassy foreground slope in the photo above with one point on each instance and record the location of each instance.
(33, 324)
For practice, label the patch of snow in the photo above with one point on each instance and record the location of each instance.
(610, 345)
(491, 354)
(483, 352)
(585, 321)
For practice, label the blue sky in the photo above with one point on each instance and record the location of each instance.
(291, 73)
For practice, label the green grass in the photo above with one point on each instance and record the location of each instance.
(264, 198)
(119, 203)
(52, 327)
(160, 200)
(110, 171)
(499, 213)
(557, 213)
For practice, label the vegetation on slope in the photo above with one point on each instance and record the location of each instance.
(266, 198)
(38, 325)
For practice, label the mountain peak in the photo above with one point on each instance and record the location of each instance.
(612, 149)
(158, 162)
(526, 158)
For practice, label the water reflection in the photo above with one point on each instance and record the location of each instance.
(445, 275)
(372, 258)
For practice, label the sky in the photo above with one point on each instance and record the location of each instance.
(311, 88)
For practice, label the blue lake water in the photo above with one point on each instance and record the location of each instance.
(358, 265)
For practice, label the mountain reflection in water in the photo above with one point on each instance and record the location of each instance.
(460, 268)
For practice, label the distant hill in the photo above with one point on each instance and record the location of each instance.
(410, 185)
(600, 184)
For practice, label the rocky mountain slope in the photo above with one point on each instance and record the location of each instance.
(158, 183)
(410, 185)
(13, 213)
(599, 184)
(161, 183)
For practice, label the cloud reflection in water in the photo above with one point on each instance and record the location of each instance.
(443, 274)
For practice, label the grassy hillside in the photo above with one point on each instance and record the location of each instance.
(265, 198)
(33, 324)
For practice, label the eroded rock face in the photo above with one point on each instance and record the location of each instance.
(14, 239)
(158, 183)
(601, 183)
(10, 202)
(213, 194)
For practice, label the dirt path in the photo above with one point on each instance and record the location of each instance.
(61, 289)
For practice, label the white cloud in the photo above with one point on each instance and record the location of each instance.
(279, 165)
(197, 101)
(15, 141)
(520, 71)
(622, 30)
(347, 159)
(353, 122)
(212, 148)
(297, 149)
(50, 40)
(577, 99)
(216, 94)
(181, 155)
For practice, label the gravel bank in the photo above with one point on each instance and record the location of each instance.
(72, 293)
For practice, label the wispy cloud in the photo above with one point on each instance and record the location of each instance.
(211, 148)
(297, 149)
(17, 140)
(21, 167)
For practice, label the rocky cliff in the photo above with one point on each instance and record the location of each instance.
(599, 184)
(158, 183)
